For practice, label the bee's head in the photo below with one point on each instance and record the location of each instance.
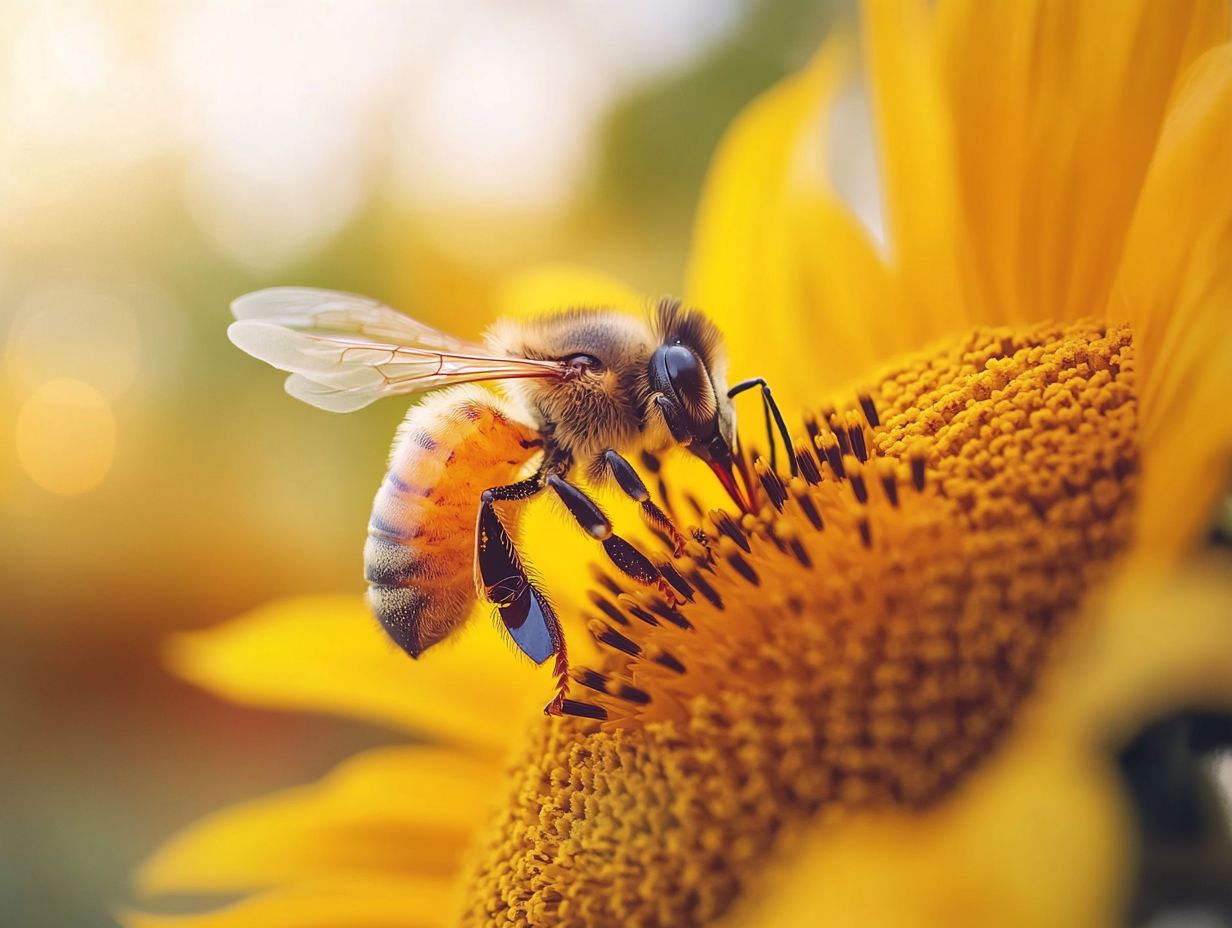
(688, 388)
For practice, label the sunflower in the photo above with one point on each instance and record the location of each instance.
(896, 694)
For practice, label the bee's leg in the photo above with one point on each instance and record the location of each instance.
(590, 517)
(772, 411)
(633, 487)
(501, 578)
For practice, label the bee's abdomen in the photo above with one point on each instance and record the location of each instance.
(421, 534)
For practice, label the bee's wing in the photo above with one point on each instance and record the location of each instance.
(344, 351)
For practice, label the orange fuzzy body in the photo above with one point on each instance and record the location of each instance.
(419, 557)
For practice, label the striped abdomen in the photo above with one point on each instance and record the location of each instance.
(419, 558)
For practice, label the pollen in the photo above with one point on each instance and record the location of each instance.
(861, 642)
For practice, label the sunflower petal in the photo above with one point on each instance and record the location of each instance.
(778, 261)
(920, 187)
(1055, 110)
(326, 653)
(1175, 289)
(406, 812)
(402, 903)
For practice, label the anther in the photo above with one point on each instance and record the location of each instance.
(811, 426)
(866, 533)
(592, 679)
(870, 409)
(840, 433)
(728, 526)
(800, 553)
(855, 435)
(808, 465)
(743, 567)
(608, 608)
(670, 661)
(605, 581)
(917, 471)
(809, 509)
(704, 587)
(667, 613)
(583, 710)
(672, 576)
(614, 639)
(859, 488)
(889, 483)
(651, 462)
(772, 483)
(639, 613)
(828, 444)
(632, 694)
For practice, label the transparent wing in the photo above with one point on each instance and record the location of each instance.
(344, 351)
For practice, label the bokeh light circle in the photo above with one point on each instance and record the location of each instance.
(66, 436)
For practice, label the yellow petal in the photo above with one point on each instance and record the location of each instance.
(1055, 109)
(1041, 836)
(376, 903)
(778, 262)
(328, 654)
(405, 812)
(1175, 289)
(915, 150)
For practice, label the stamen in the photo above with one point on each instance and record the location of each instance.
(614, 639)
(608, 608)
(808, 464)
(870, 409)
(772, 483)
(583, 710)
(805, 502)
(668, 614)
(672, 576)
(829, 445)
(800, 553)
(638, 612)
(632, 694)
(859, 488)
(743, 567)
(855, 437)
(670, 661)
(726, 525)
(703, 586)
(591, 679)
(840, 433)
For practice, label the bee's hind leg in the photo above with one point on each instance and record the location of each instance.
(501, 578)
(633, 487)
(627, 558)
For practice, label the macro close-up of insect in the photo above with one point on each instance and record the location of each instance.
(584, 389)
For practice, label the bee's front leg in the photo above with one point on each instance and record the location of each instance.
(772, 412)
(633, 487)
(591, 518)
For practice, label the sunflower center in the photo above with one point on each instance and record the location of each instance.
(861, 643)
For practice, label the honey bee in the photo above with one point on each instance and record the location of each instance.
(583, 389)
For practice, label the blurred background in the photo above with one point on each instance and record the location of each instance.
(158, 159)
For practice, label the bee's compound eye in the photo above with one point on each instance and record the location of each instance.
(582, 363)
